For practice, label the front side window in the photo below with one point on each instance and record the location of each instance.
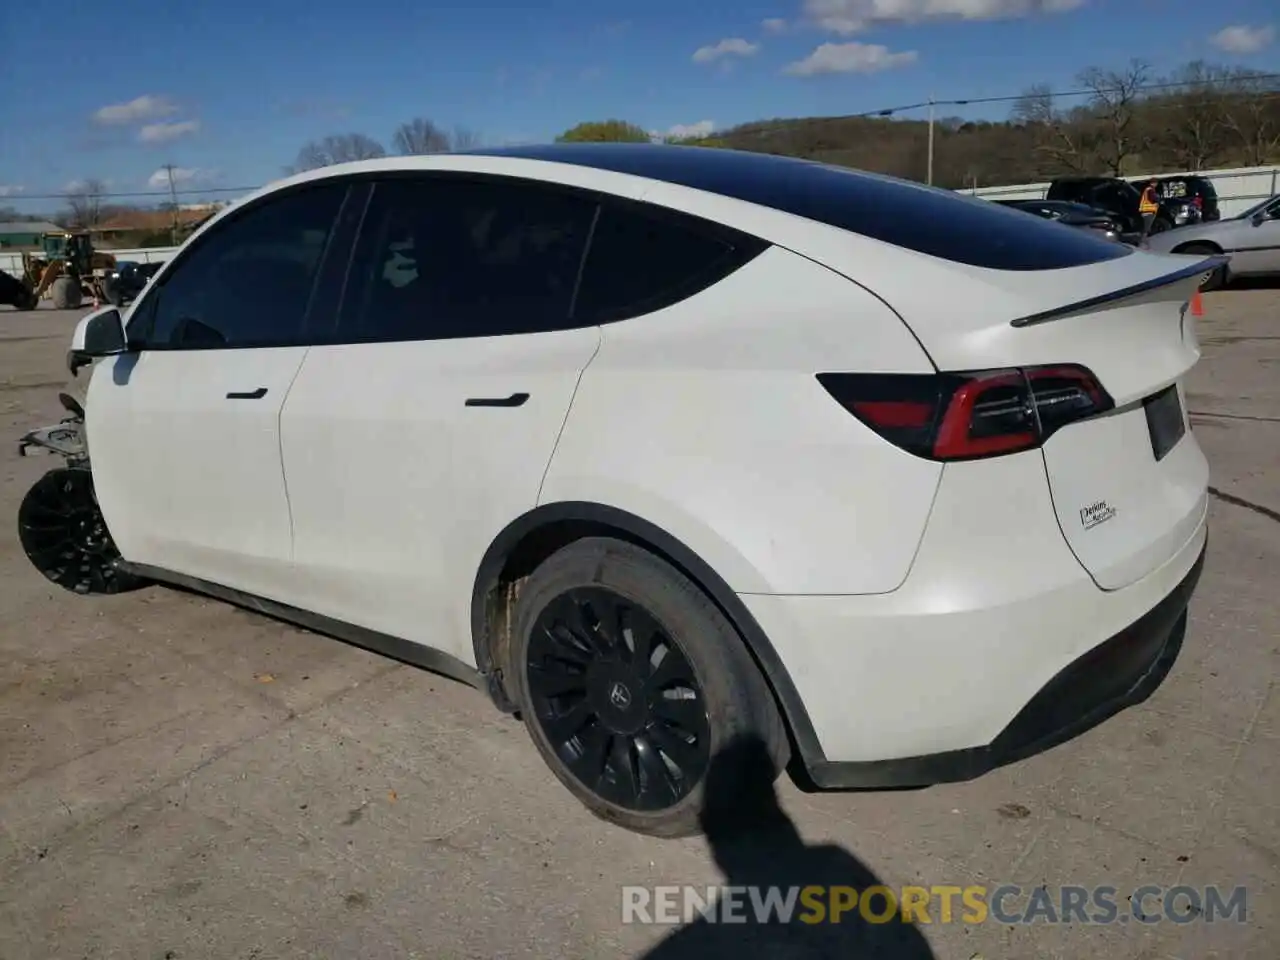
(443, 257)
(248, 283)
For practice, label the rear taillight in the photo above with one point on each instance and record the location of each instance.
(1198, 203)
(964, 416)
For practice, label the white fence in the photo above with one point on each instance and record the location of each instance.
(11, 263)
(1238, 189)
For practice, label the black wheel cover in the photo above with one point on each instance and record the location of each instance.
(65, 536)
(618, 700)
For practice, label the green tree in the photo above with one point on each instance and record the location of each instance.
(605, 131)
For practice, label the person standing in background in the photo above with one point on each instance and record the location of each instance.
(1149, 206)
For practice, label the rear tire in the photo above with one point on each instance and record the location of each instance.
(1215, 279)
(65, 293)
(65, 537)
(631, 682)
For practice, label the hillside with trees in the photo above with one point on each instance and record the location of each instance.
(1126, 122)
(1109, 122)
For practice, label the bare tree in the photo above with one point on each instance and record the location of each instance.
(1191, 128)
(84, 201)
(337, 148)
(1056, 137)
(1113, 98)
(465, 138)
(1251, 117)
(421, 135)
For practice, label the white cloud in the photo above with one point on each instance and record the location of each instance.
(731, 47)
(683, 131)
(138, 110)
(182, 177)
(164, 132)
(853, 16)
(850, 58)
(774, 25)
(1243, 39)
(12, 189)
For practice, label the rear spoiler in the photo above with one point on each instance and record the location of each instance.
(1123, 293)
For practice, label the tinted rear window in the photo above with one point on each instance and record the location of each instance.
(939, 223)
(643, 259)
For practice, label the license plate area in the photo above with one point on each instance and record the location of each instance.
(1165, 423)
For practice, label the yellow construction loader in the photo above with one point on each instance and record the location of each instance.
(67, 270)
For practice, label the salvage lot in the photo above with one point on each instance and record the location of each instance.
(182, 779)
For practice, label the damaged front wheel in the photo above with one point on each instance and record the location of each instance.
(65, 536)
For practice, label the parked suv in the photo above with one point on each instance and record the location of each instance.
(1195, 190)
(672, 451)
(1121, 199)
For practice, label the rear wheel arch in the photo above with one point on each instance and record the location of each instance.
(536, 535)
(1196, 246)
(1219, 276)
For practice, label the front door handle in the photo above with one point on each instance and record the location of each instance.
(515, 400)
(248, 394)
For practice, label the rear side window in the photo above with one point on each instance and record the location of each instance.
(444, 257)
(643, 259)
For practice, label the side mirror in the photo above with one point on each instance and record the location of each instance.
(99, 334)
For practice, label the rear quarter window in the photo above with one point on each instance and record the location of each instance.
(643, 259)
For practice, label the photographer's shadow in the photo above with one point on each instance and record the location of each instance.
(755, 844)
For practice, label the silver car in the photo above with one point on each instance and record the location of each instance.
(1251, 239)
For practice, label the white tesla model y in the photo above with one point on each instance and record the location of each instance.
(663, 446)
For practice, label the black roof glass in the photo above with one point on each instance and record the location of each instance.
(932, 221)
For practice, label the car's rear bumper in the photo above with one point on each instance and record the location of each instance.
(993, 650)
(1120, 672)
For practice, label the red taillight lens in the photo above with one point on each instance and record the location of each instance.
(964, 416)
(1198, 203)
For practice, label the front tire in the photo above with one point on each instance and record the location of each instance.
(65, 536)
(630, 681)
(65, 293)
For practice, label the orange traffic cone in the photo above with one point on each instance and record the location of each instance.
(1197, 305)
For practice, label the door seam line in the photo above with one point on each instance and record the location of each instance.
(568, 410)
(284, 474)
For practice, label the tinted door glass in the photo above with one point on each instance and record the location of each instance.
(248, 283)
(643, 259)
(442, 257)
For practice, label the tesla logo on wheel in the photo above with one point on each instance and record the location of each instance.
(620, 696)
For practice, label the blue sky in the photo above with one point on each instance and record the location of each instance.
(228, 92)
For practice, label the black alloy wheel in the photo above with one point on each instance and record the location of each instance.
(617, 699)
(65, 536)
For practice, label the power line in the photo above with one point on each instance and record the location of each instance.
(107, 194)
(1051, 95)
(1209, 85)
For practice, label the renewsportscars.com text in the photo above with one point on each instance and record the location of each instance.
(974, 904)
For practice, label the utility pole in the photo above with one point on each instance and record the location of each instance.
(929, 175)
(173, 200)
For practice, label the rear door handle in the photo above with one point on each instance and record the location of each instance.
(515, 400)
(248, 394)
